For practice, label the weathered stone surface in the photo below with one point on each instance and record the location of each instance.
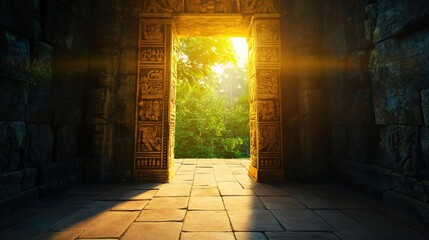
(396, 88)
(41, 65)
(399, 149)
(28, 178)
(39, 106)
(358, 144)
(9, 183)
(337, 43)
(425, 106)
(339, 142)
(65, 142)
(359, 108)
(129, 36)
(128, 61)
(11, 16)
(15, 60)
(109, 28)
(40, 144)
(104, 64)
(424, 144)
(12, 136)
(396, 17)
(67, 111)
(125, 111)
(358, 69)
(127, 87)
(63, 25)
(360, 28)
(13, 98)
(109, 7)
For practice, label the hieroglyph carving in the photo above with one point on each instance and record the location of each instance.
(211, 6)
(152, 55)
(269, 138)
(267, 33)
(151, 83)
(268, 84)
(150, 110)
(162, 6)
(149, 138)
(152, 33)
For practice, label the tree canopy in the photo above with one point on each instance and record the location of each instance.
(212, 112)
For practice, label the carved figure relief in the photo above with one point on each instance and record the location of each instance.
(268, 110)
(153, 32)
(267, 32)
(273, 163)
(149, 138)
(259, 6)
(148, 163)
(253, 146)
(268, 54)
(162, 6)
(150, 110)
(268, 84)
(151, 83)
(269, 140)
(152, 55)
(211, 6)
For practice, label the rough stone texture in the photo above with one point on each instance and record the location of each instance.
(41, 65)
(40, 144)
(399, 17)
(15, 60)
(12, 137)
(11, 13)
(13, 98)
(39, 106)
(66, 142)
(425, 106)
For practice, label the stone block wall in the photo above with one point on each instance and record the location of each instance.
(377, 55)
(43, 71)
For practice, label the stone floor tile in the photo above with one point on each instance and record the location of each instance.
(79, 220)
(383, 225)
(206, 203)
(139, 195)
(203, 170)
(225, 178)
(286, 202)
(270, 192)
(301, 236)
(314, 202)
(168, 203)
(102, 204)
(206, 221)
(347, 228)
(155, 231)
(406, 219)
(234, 191)
(205, 192)
(344, 202)
(253, 220)
(189, 161)
(110, 225)
(63, 235)
(174, 190)
(130, 205)
(162, 215)
(250, 236)
(207, 235)
(242, 202)
(302, 221)
(108, 197)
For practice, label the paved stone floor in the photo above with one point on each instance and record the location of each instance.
(210, 199)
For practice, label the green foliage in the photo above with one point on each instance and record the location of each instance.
(212, 112)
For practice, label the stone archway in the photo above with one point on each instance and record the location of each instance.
(160, 24)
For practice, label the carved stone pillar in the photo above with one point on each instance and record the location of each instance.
(265, 110)
(154, 129)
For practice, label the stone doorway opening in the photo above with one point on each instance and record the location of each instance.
(157, 79)
(212, 99)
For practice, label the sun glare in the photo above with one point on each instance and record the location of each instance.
(241, 52)
(240, 47)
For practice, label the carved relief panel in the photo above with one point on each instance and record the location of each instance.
(266, 131)
(153, 106)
